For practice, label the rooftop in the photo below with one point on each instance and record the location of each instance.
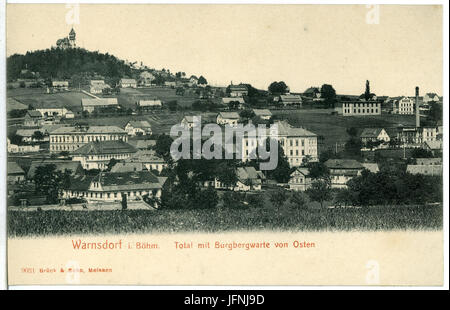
(105, 147)
(89, 130)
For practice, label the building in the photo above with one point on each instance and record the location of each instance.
(428, 170)
(128, 83)
(264, 114)
(61, 165)
(238, 102)
(374, 135)
(60, 85)
(228, 118)
(297, 143)
(148, 103)
(22, 148)
(372, 167)
(238, 90)
(170, 83)
(299, 179)
(431, 97)
(112, 187)
(434, 146)
(97, 154)
(146, 78)
(361, 108)
(15, 173)
(134, 128)
(312, 92)
(149, 160)
(248, 179)
(51, 108)
(91, 104)
(404, 105)
(31, 135)
(429, 161)
(415, 136)
(67, 42)
(193, 81)
(343, 170)
(142, 144)
(97, 86)
(33, 118)
(71, 138)
(291, 100)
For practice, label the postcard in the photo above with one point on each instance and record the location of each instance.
(225, 144)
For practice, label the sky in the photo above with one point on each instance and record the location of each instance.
(395, 47)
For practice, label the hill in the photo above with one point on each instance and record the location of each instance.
(68, 63)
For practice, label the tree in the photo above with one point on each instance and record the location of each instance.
(320, 191)
(112, 162)
(352, 131)
(328, 93)
(202, 80)
(37, 135)
(299, 201)
(50, 182)
(318, 170)
(278, 87)
(206, 199)
(283, 170)
(353, 146)
(277, 198)
(247, 114)
(226, 174)
(162, 146)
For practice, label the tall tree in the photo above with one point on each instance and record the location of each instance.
(328, 93)
(320, 191)
(367, 94)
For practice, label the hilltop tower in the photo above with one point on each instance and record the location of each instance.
(72, 38)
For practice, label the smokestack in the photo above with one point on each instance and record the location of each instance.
(417, 108)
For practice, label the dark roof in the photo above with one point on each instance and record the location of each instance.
(34, 114)
(127, 167)
(343, 164)
(14, 168)
(312, 90)
(81, 182)
(371, 132)
(129, 180)
(61, 165)
(105, 147)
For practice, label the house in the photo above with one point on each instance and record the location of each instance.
(114, 186)
(248, 178)
(61, 165)
(142, 144)
(128, 83)
(312, 92)
(372, 167)
(15, 173)
(33, 118)
(343, 170)
(134, 128)
(51, 108)
(193, 81)
(238, 90)
(429, 161)
(123, 166)
(374, 135)
(97, 154)
(170, 83)
(188, 121)
(22, 148)
(148, 103)
(299, 179)
(146, 78)
(91, 104)
(434, 146)
(31, 135)
(69, 115)
(404, 105)
(71, 138)
(361, 108)
(264, 114)
(228, 118)
(149, 160)
(428, 170)
(291, 100)
(97, 86)
(238, 102)
(60, 85)
(431, 97)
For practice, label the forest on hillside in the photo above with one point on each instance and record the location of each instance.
(59, 63)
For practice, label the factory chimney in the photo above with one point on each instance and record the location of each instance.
(417, 108)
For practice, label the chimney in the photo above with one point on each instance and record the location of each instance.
(417, 108)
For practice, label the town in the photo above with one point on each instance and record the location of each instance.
(88, 131)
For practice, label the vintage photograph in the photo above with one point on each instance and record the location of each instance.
(212, 118)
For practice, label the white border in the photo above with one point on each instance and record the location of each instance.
(3, 261)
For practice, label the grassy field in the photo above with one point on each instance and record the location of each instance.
(219, 220)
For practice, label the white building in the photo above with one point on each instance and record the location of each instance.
(404, 105)
(134, 128)
(228, 118)
(90, 104)
(128, 83)
(361, 108)
(299, 179)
